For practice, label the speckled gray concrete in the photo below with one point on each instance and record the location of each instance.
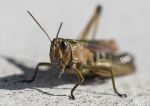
(23, 45)
(47, 89)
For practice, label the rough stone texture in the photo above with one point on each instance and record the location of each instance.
(23, 45)
(47, 89)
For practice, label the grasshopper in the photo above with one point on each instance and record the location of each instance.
(84, 60)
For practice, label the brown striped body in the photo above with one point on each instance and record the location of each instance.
(92, 62)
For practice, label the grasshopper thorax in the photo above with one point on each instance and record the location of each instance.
(60, 53)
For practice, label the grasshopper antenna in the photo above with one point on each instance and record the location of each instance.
(59, 30)
(40, 26)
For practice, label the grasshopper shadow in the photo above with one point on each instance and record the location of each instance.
(44, 78)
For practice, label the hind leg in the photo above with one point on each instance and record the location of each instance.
(92, 25)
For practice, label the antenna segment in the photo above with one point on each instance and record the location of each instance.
(40, 26)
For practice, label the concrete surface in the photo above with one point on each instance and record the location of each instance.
(23, 45)
(47, 89)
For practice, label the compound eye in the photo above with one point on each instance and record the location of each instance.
(64, 45)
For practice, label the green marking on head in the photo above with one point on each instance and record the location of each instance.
(71, 41)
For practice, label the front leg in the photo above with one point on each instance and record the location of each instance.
(35, 72)
(80, 80)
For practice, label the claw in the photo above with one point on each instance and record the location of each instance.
(72, 97)
(123, 95)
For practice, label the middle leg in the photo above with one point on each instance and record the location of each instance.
(112, 78)
(35, 72)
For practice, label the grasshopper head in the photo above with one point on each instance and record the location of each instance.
(60, 53)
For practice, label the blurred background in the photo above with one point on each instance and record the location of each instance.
(126, 21)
